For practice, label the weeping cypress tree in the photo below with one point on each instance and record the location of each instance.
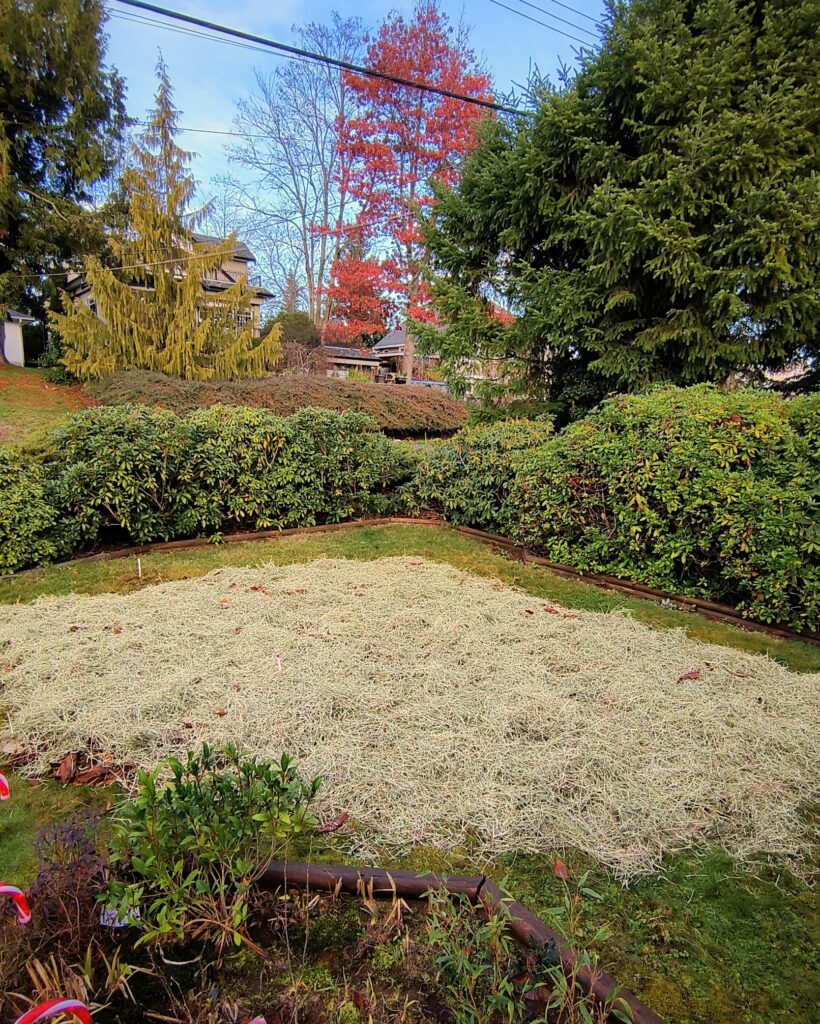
(153, 312)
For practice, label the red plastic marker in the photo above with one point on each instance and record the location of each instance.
(5, 788)
(19, 900)
(52, 1008)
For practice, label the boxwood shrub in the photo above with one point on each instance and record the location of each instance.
(136, 474)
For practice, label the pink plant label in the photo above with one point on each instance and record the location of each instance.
(5, 788)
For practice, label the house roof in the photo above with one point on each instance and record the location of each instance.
(345, 352)
(241, 251)
(20, 318)
(393, 339)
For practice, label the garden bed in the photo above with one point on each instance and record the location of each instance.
(386, 680)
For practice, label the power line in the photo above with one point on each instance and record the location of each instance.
(343, 65)
(138, 19)
(557, 17)
(581, 14)
(135, 266)
(521, 14)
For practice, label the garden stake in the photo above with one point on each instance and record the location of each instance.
(20, 902)
(54, 1007)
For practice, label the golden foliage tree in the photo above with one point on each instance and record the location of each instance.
(153, 311)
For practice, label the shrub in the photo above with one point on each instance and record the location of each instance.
(397, 409)
(187, 854)
(27, 515)
(147, 474)
(469, 476)
(691, 490)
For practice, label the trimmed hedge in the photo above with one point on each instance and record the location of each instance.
(469, 477)
(398, 410)
(136, 474)
(691, 490)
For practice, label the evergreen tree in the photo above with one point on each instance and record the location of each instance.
(153, 311)
(658, 218)
(61, 115)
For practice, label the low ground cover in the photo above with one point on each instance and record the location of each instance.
(400, 411)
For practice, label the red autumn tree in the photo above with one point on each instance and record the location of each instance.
(397, 141)
(358, 291)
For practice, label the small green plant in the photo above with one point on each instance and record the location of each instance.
(188, 852)
(476, 960)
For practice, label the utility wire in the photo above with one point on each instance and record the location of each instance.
(134, 266)
(557, 17)
(344, 65)
(521, 14)
(581, 14)
(138, 19)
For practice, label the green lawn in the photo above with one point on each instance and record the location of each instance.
(438, 543)
(29, 404)
(704, 941)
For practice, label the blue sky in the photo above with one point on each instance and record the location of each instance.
(209, 77)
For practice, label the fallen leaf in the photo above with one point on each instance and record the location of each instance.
(223, 601)
(187, 725)
(117, 630)
(7, 667)
(67, 769)
(95, 776)
(551, 610)
(559, 869)
(529, 611)
(236, 687)
(220, 713)
(258, 588)
(694, 674)
(336, 824)
(238, 630)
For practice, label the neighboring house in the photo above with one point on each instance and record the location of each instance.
(390, 352)
(238, 266)
(391, 348)
(12, 349)
(339, 360)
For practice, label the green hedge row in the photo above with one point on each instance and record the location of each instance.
(134, 474)
(400, 411)
(692, 490)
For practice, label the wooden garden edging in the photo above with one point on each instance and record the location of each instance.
(525, 927)
(708, 609)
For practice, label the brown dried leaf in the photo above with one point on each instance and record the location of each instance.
(67, 769)
(694, 674)
(559, 869)
(336, 824)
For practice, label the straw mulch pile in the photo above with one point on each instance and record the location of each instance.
(439, 707)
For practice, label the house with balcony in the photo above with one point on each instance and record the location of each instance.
(232, 269)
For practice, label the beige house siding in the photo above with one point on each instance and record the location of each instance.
(228, 274)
